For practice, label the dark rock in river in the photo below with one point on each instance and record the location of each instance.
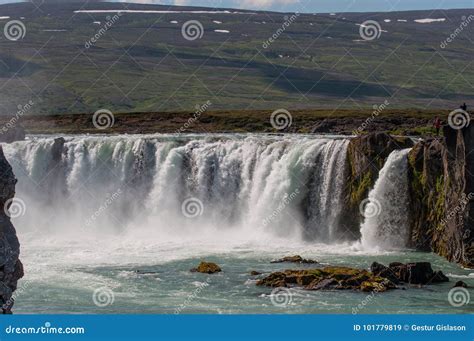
(255, 273)
(207, 268)
(337, 278)
(410, 273)
(11, 268)
(383, 271)
(294, 259)
(460, 284)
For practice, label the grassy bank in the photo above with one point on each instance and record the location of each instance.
(413, 122)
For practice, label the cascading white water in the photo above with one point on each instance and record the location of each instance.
(386, 214)
(175, 187)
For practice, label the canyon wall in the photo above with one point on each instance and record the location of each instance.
(441, 173)
(11, 268)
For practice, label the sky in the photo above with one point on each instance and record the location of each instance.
(313, 6)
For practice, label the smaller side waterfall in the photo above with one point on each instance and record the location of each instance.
(386, 212)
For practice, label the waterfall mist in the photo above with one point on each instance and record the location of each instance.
(235, 188)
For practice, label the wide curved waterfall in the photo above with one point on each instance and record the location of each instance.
(386, 213)
(183, 186)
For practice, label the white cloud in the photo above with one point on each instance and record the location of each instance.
(264, 4)
(247, 4)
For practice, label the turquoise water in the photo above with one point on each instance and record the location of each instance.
(168, 287)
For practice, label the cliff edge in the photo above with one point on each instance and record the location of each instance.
(11, 268)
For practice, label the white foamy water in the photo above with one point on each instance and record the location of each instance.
(131, 189)
(386, 223)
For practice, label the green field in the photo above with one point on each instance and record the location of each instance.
(143, 63)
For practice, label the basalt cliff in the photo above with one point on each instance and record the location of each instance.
(441, 189)
(11, 268)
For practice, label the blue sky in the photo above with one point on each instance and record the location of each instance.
(317, 6)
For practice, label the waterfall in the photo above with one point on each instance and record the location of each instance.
(186, 186)
(386, 213)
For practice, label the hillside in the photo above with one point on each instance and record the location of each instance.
(144, 64)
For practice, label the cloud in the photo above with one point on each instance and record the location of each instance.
(250, 4)
(265, 4)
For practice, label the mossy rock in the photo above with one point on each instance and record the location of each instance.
(328, 278)
(207, 268)
(294, 259)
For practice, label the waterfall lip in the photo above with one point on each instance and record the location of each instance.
(198, 136)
